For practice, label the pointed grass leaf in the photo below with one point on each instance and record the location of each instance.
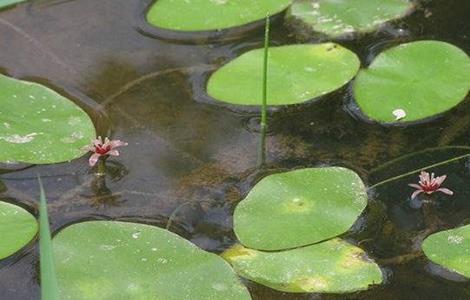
(339, 17)
(300, 207)
(38, 125)
(106, 260)
(423, 78)
(17, 228)
(206, 15)
(49, 290)
(296, 73)
(334, 266)
(450, 249)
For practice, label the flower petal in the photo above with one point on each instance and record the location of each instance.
(416, 186)
(416, 193)
(117, 143)
(439, 180)
(94, 159)
(446, 191)
(113, 153)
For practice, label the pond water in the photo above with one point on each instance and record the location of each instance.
(185, 148)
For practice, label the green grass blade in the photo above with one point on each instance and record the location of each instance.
(265, 74)
(49, 288)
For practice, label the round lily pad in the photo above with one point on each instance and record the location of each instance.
(39, 126)
(300, 207)
(333, 266)
(338, 17)
(296, 73)
(17, 228)
(206, 15)
(450, 249)
(420, 79)
(119, 260)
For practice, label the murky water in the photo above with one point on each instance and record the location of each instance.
(186, 148)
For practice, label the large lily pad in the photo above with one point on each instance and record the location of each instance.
(329, 267)
(296, 73)
(300, 207)
(450, 249)
(39, 126)
(5, 3)
(339, 17)
(421, 79)
(118, 260)
(17, 228)
(204, 15)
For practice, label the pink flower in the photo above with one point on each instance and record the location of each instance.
(105, 149)
(428, 184)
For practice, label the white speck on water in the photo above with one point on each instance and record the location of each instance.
(7, 125)
(219, 286)
(136, 235)
(162, 260)
(154, 249)
(32, 97)
(45, 120)
(107, 247)
(74, 121)
(219, 2)
(399, 114)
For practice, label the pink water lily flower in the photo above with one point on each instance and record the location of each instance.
(428, 184)
(101, 149)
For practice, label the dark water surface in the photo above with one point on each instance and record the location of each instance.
(183, 147)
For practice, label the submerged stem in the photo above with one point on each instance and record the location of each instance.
(419, 170)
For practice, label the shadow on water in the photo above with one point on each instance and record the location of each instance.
(184, 150)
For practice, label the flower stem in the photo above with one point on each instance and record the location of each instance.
(102, 166)
(419, 170)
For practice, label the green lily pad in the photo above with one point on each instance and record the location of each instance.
(205, 15)
(422, 79)
(119, 260)
(299, 207)
(338, 17)
(39, 126)
(450, 249)
(296, 73)
(17, 228)
(5, 3)
(329, 267)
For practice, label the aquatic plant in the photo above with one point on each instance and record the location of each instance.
(103, 149)
(429, 184)
(6, 3)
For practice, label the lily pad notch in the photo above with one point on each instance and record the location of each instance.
(296, 73)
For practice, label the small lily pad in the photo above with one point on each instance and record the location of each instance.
(296, 73)
(118, 260)
(338, 17)
(17, 228)
(205, 15)
(5, 3)
(421, 79)
(334, 266)
(299, 207)
(38, 125)
(450, 249)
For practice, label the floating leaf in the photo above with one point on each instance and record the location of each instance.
(119, 260)
(5, 3)
(329, 267)
(450, 249)
(422, 78)
(296, 73)
(204, 15)
(339, 17)
(300, 207)
(17, 228)
(39, 126)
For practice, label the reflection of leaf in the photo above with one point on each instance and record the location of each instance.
(299, 207)
(38, 125)
(204, 15)
(450, 249)
(423, 79)
(334, 266)
(120, 260)
(296, 73)
(49, 289)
